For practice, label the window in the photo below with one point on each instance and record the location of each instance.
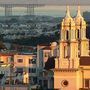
(34, 80)
(87, 83)
(40, 83)
(10, 59)
(47, 54)
(45, 83)
(20, 60)
(79, 50)
(67, 35)
(78, 34)
(64, 83)
(19, 70)
(32, 61)
(32, 70)
(1, 61)
(65, 51)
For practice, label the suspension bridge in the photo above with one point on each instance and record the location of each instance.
(30, 5)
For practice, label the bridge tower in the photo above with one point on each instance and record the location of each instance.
(8, 10)
(30, 9)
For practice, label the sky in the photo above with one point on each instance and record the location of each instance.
(60, 2)
(53, 7)
(56, 11)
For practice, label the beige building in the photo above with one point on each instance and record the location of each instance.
(6, 60)
(25, 65)
(72, 67)
(68, 64)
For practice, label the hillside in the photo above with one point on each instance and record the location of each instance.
(32, 30)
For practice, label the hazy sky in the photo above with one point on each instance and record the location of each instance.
(49, 10)
(86, 2)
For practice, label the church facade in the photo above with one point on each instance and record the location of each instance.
(67, 62)
(72, 67)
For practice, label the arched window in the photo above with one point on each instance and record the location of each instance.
(65, 52)
(67, 35)
(78, 34)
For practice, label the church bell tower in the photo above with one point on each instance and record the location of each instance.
(83, 42)
(68, 42)
(73, 44)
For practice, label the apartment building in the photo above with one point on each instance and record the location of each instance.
(26, 68)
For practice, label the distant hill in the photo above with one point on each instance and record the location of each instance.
(50, 33)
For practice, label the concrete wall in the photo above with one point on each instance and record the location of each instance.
(70, 76)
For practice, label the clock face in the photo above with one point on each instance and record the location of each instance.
(64, 83)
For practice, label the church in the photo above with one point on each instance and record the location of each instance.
(71, 69)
